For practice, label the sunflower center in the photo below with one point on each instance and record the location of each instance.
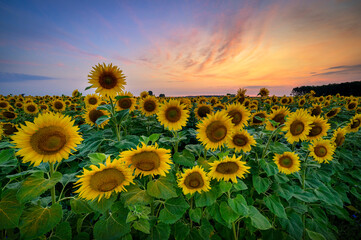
(125, 103)
(43, 107)
(261, 115)
(149, 106)
(280, 118)
(236, 116)
(203, 111)
(286, 162)
(9, 115)
(315, 131)
(320, 151)
(240, 140)
(340, 138)
(173, 114)
(355, 123)
(3, 104)
(108, 81)
(48, 140)
(31, 108)
(351, 106)
(297, 128)
(331, 113)
(146, 161)
(106, 180)
(93, 101)
(302, 102)
(58, 105)
(194, 180)
(9, 129)
(316, 111)
(227, 168)
(95, 114)
(216, 131)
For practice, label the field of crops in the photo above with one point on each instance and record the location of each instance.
(111, 165)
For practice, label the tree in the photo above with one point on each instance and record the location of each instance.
(162, 95)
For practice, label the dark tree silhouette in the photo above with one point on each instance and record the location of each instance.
(344, 89)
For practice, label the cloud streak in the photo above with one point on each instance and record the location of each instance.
(21, 77)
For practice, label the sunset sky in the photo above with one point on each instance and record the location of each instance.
(179, 48)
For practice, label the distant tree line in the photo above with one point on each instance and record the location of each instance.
(344, 89)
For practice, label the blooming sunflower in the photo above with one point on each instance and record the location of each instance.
(301, 102)
(260, 114)
(31, 108)
(75, 93)
(107, 79)
(173, 115)
(58, 105)
(319, 128)
(297, 126)
(239, 115)
(9, 115)
(228, 168)
(148, 160)
(144, 94)
(100, 182)
(316, 110)
(241, 140)
(352, 105)
(332, 113)
(92, 99)
(215, 130)
(202, 110)
(194, 180)
(149, 105)
(339, 136)
(8, 129)
(4, 104)
(264, 92)
(278, 116)
(127, 102)
(355, 123)
(241, 92)
(287, 162)
(322, 150)
(92, 114)
(19, 104)
(50, 138)
(284, 100)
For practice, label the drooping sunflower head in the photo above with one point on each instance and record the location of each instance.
(194, 180)
(50, 138)
(215, 130)
(332, 113)
(298, 126)
(241, 92)
(107, 79)
(149, 105)
(92, 114)
(352, 105)
(322, 150)
(319, 128)
(127, 102)
(9, 115)
(264, 92)
(355, 123)
(148, 160)
(241, 140)
(258, 118)
(100, 182)
(31, 108)
(92, 100)
(58, 106)
(228, 169)
(339, 136)
(239, 115)
(202, 110)
(277, 116)
(173, 115)
(287, 162)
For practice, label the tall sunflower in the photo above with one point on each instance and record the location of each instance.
(107, 79)
(264, 92)
(126, 103)
(100, 182)
(297, 126)
(241, 140)
(202, 110)
(173, 115)
(355, 123)
(239, 115)
(31, 108)
(149, 106)
(260, 114)
(50, 138)
(194, 180)
(339, 136)
(92, 99)
(322, 150)
(92, 114)
(287, 162)
(148, 160)
(228, 168)
(278, 116)
(215, 130)
(319, 128)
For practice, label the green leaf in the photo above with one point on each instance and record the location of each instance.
(225, 186)
(284, 190)
(274, 204)
(227, 213)
(173, 210)
(195, 214)
(162, 188)
(88, 87)
(207, 198)
(37, 221)
(103, 205)
(10, 210)
(97, 158)
(160, 232)
(239, 205)
(135, 195)
(186, 159)
(355, 193)
(293, 225)
(35, 185)
(62, 232)
(102, 119)
(206, 229)
(82, 236)
(314, 235)
(260, 184)
(214, 211)
(258, 220)
(269, 167)
(325, 195)
(181, 230)
(279, 148)
(240, 185)
(105, 107)
(6, 155)
(80, 206)
(142, 225)
(154, 137)
(120, 116)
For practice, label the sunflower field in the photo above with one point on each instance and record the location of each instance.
(111, 165)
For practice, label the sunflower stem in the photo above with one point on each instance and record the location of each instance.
(269, 141)
(303, 188)
(52, 190)
(116, 125)
(191, 207)
(234, 231)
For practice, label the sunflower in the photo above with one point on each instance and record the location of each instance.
(92, 99)
(352, 105)
(228, 169)
(239, 115)
(8, 129)
(75, 93)
(107, 79)
(259, 114)
(264, 92)
(219, 106)
(126, 103)
(4, 104)
(49, 139)
(277, 116)
(287, 162)
(1, 131)
(319, 128)
(202, 110)
(322, 150)
(241, 140)
(100, 182)
(241, 92)
(19, 104)
(92, 114)
(284, 100)
(215, 130)
(194, 180)
(298, 126)
(173, 115)
(316, 110)
(246, 102)
(332, 113)
(148, 160)
(9, 115)
(355, 123)
(58, 105)
(301, 102)
(339, 136)
(144, 94)
(31, 108)
(149, 105)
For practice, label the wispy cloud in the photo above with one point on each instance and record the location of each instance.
(343, 69)
(20, 77)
